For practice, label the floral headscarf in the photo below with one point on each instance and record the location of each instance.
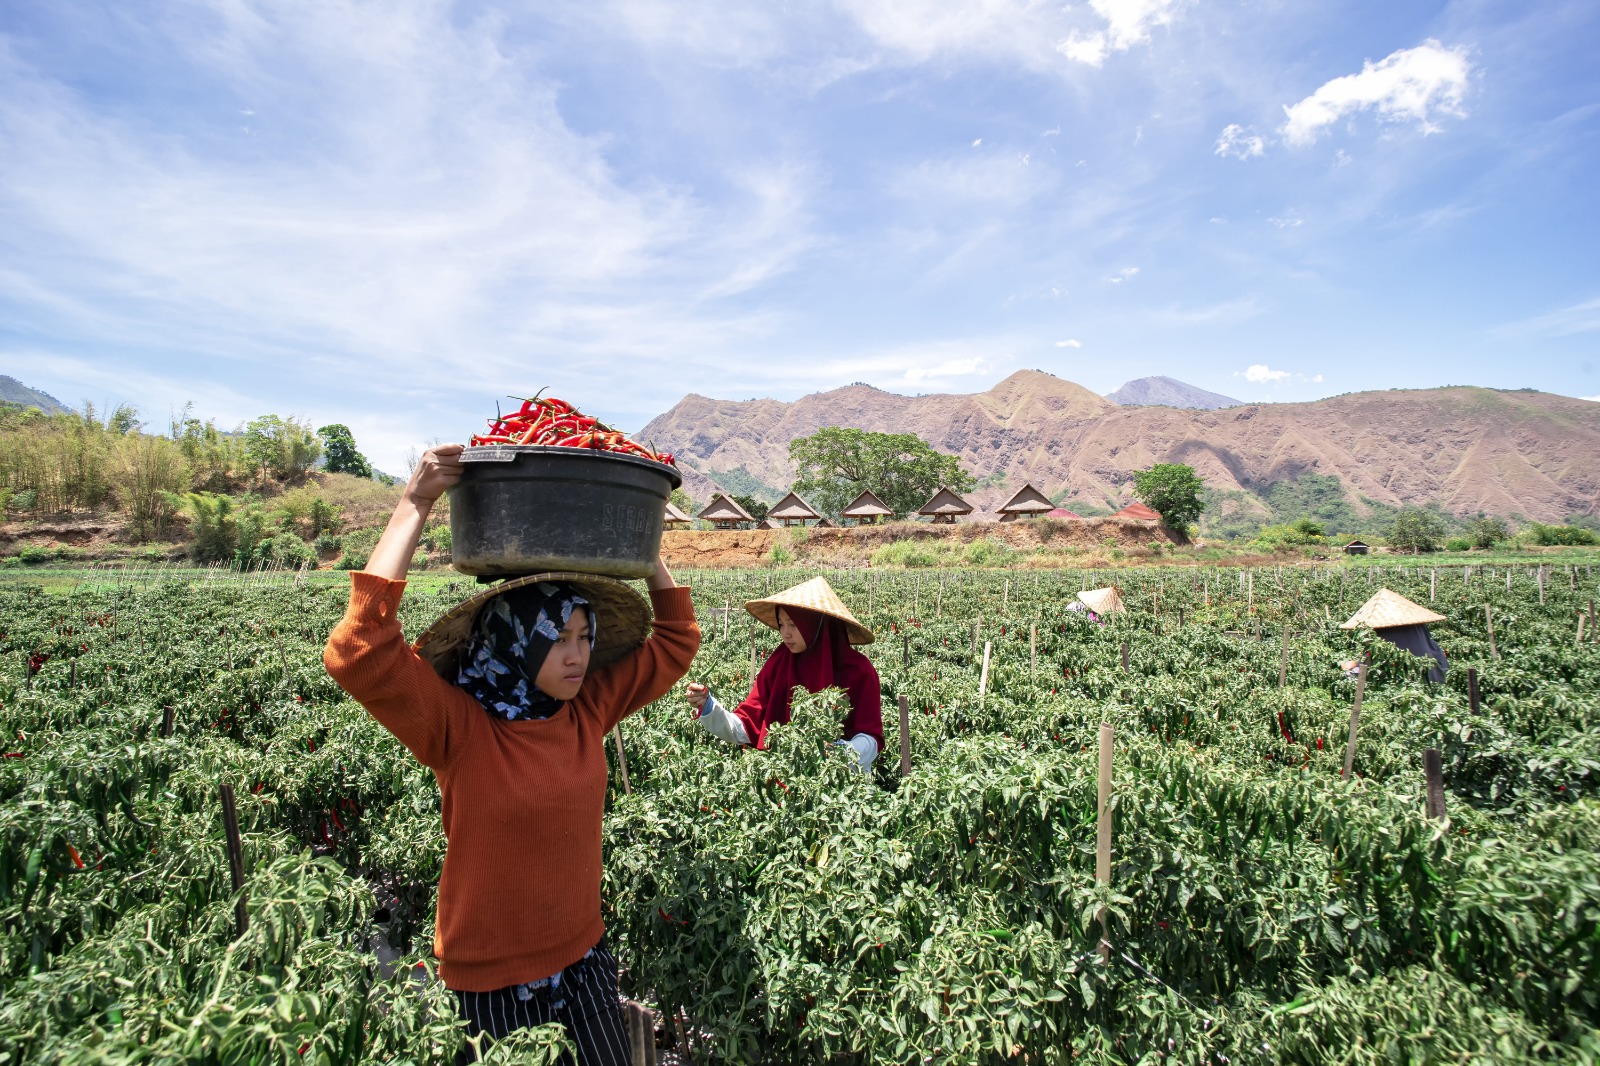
(511, 638)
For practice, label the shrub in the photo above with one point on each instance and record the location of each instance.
(358, 547)
(1303, 532)
(908, 553)
(32, 555)
(1558, 536)
(780, 556)
(438, 539)
(1416, 530)
(990, 552)
(327, 544)
(26, 500)
(1458, 544)
(285, 549)
(419, 561)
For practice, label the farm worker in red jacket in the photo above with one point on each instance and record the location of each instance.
(508, 699)
(817, 631)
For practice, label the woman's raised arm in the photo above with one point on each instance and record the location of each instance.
(439, 468)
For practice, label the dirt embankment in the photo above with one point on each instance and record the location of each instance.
(855, 545)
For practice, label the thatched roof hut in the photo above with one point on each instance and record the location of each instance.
(1029, 502)
(725, 513)
(866, 509)
(792, 511)
(676, 519)
(945, 506)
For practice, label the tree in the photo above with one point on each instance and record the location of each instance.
(283, 447)
(757, 509)
(339, 450)
(834, 464)
(1485, 531)
(1172, 490)
(680, 499)
(1416, 530)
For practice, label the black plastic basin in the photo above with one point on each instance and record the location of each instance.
(522, 509)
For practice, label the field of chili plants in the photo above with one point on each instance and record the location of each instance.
(779, 906)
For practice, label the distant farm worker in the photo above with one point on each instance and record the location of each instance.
(816, 631)
(508, 698)
(1403, 624)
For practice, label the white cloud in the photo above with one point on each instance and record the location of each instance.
(1125, 274)
(1316, 379)
(977, 142)
(1261, 374)
(1287, 222)
(1592, 399)
(1128, 22)
(1412, 84)
(1579, 318)
(1074, 343)
(1240, 142)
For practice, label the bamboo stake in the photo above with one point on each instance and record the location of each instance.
(1283, 663)
(1472, 689)
(1124, 656)
(983, 679)
(230, 827)
(1033, 651)
(1433, 774)
(1594, 637)
(1488, 619)
(904, 708)
(1102, 858)
(1355, 720)
(168, 715)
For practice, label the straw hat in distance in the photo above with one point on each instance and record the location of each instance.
(1386, 609)
(814, 595)
(624, 620)
(1102, 601)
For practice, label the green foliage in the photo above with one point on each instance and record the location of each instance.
(284, 550)
(357, 546)
(1485, 531)
(1303, 532)
(23, 500)
(283, 448)
(756, 509)
(680, 499)
(908, 553)
(214, 533)
(438, 538)
(33, 555)
(741, 481)
(1416, 530)
(340, 454)
(1552, 536)
(834, 464)
(780, 555)
(1320, 497)
(1261, 908)
(1172, 490)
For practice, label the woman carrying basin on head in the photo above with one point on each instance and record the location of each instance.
(507, 698)
(817, 631)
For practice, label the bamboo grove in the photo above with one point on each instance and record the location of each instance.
(779, 906)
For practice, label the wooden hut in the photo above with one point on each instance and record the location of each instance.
(1138, 511)
(791, 511)
(724, 513)
(945, 506)
(676, 519)
(769, 523)
(866, 509)
(825, 523)
(1356, 547)
(1029, 502)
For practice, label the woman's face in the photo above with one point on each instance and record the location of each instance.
(789, 633)
(562, 673)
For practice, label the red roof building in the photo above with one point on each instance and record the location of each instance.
(1139, 511)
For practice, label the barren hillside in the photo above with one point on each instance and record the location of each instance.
(1469, 449)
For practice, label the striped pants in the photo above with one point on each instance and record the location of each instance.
(585, 1002)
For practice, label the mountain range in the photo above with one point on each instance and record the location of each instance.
(14, 391)
(1464, 449)
(1169, 392)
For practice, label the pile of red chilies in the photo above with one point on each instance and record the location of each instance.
(557, 423)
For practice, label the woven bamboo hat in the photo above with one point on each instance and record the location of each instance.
(814, 595)
(624, 620)
(1102, 601)
(1386, 609)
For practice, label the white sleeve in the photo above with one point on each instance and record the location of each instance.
(721, 724)
(865, 747)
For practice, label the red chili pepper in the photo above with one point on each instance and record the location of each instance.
(326, 839)
(74, 853)
(336, 820)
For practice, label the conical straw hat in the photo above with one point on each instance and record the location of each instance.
(624, 617)
(1389, 609)
(814, 595)
(1102, 601)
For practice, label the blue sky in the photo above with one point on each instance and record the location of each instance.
(392, 214)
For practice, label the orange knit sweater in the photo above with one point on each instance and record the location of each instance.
(520, 895)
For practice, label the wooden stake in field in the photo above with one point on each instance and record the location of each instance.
(622, 759)
(1433, 774)
(1124, 656)
(983, 678)
(1355, 719)
(1488, 621)
(1102, 857)
(1472, 689)
(230, 828)
(1005, 597)
(1433, 578)
(1283, 662)
(1033, 651)
(938, 607)
(905, 736)
(168, 715)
